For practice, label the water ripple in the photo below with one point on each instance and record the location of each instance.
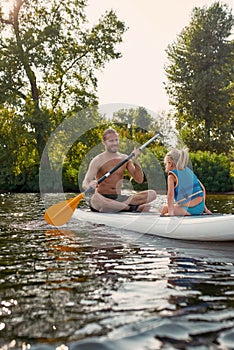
(96, 288)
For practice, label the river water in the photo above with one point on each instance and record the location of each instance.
(91, 287)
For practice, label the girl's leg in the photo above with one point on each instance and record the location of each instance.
(180, 211)
(163, 210)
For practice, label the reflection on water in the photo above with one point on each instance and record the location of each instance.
(91, 287)
(221, 203)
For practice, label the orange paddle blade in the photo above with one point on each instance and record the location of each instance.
(58, 214)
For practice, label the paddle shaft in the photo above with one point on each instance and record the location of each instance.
(106, 175)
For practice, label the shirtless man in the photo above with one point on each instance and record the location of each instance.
(107, 196)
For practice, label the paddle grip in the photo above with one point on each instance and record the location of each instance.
(150, 140)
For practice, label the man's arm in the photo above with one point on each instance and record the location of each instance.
(134, 168)
(89, 179)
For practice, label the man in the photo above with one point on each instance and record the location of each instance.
(107, 196)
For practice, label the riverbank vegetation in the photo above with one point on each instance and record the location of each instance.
(48, 77)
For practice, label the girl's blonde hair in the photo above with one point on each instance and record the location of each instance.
(179, 157)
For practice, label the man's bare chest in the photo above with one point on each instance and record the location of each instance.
(110, 164)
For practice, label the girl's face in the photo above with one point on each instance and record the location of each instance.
(168, 164)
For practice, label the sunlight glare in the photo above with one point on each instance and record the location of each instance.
(6, 6)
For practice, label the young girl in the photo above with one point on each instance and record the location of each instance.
(185, 193)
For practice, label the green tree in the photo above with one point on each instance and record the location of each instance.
(48, 60)
(18, 155)
(200, 75)
(124, 116)
(135, 119)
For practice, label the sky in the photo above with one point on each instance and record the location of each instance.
(138, 77)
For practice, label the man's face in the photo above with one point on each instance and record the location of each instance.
(111, 142)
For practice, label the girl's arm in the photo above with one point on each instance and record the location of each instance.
(206, 210)
(170, 194)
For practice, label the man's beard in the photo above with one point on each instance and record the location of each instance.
(110, 150)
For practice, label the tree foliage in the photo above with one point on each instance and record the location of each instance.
(200, 80)
(138, 118)
(214, 170)
(49, 55)
(48, 58)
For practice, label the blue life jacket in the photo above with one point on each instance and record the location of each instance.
(187, 185)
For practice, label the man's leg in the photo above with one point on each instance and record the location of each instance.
(103, 204)
(143, 197)
(141, 200)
